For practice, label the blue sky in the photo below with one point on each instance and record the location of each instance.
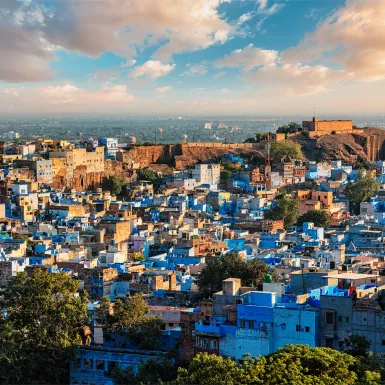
(135, 57)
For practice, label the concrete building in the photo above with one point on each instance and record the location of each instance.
(110, 146)
(206, 173)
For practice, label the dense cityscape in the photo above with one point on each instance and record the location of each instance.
(122, 262)
(192, 192)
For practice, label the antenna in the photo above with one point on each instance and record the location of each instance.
(268, 147)
(314, 112)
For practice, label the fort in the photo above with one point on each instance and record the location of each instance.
(318, 127)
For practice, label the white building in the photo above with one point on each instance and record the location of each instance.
(206, 173)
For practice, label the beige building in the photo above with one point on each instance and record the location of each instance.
(93, 160)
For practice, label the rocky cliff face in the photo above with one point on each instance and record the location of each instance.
(368, 145)
(83, 180)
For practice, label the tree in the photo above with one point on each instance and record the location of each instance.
(301, 364)
(113, 184)
(285, 209)
(129, 320)
(231, 265)
(285, 148)
(206, 369)
(149, 373)
(290, 128)
(356, 345)
(360, 191)
(43, 324)
(320, 218)
(294, 364)
(146, 174)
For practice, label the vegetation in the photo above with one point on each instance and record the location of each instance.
(290, 128)
(113, 184)
(149, 373)
(230, 265)
(320, 218)
(258, 137)
(137, 257)
(129, 321)
(360, 191)
(147, 174)
(285, 209)
(294, 364)
(43, 324)
(285, 148)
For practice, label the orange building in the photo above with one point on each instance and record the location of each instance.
(313, 200)
(326, 127)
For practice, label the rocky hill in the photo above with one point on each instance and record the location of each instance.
(367, 144)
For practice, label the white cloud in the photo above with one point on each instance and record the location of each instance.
(352, 37)
(122, 26)
(195, 69)
(248, 58)
(65, 97)
(24, 55)
(163, 89)
(152, 69)
(219, 74)
(225, 90)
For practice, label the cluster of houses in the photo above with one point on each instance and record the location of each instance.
(326, 284)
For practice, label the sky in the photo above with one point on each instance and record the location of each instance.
(201, 57)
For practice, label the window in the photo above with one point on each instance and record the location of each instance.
(111, 366)
(340, 318)
(340, 344)
(329, 342)
(307, 329)
(329, 318)
(99, 364)
(347, 319)
(297, 328)
(87, 364)
(243, 323)
(383, 342)
(251, 324)
(283, 326)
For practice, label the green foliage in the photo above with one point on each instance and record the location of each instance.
(258, 137)
(301, 364)
(230, 265)
(129, 320)
(292, 365)
(137, 257)
(360, 191)
(42, 328)
(285, 209)
(290, 128)
(149, 373)
(146, 174)
(320, 218)
(226, 174)
(285, 148)
(357, 346)
(113, 184)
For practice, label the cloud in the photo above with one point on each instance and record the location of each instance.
(248, 58)
(126, 25)
(352, 37)
(152, 69)
(163, 89)
(65, 97)
(297, 79)
(24, 55)
(219, 74)
(195, 69)
(31, 31)
(225, 90)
